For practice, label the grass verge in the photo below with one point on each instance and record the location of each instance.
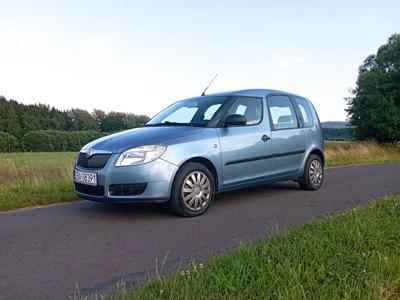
(31, 179)
(352, 153)
(352, 256)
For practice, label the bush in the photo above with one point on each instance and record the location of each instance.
(8, 142)
(56, 140)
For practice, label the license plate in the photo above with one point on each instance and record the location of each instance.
(85, 177)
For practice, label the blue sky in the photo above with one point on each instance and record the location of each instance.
(139, 56)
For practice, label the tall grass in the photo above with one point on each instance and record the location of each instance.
(350, 153)
(29, 179)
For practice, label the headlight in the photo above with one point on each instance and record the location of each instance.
(140, 155)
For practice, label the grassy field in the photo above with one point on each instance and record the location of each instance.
(352, 256)
(31, 179)
(350, 153)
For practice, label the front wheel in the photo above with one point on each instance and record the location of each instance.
(313, 175)
(193, 190)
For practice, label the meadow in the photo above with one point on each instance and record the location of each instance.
(33, 179)
(347, 153)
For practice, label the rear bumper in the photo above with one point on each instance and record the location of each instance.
(150, 182)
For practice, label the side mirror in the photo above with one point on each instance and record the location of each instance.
(235, 120)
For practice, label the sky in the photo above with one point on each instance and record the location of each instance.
(140, 56)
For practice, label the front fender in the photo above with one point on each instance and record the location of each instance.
(205, 145)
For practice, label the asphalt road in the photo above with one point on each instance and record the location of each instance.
(46, 253)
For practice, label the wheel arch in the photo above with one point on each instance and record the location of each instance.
(319, 153)
(207, 163)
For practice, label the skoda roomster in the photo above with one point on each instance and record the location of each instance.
(204, 145)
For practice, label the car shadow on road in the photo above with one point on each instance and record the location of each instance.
(148, 210)
(259, 191)
(136, 210)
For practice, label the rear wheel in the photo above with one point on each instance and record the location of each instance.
(193, 190)
(313, 175)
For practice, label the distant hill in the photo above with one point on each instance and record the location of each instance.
(335, 124)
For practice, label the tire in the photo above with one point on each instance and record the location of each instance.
(193, 190)
(313, 175)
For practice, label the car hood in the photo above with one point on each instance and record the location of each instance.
(121, 141)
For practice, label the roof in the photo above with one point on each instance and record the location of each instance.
(250, 92)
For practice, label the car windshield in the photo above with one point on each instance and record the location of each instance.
(191, 112)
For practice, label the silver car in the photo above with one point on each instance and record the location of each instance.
(204, 145)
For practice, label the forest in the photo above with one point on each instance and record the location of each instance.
(39, 127)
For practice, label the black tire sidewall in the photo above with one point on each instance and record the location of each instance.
(176, 202)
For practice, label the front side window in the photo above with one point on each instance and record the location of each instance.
(191, 112)
(210, 112)
(282, 112)
(305, 111)
(250, 108)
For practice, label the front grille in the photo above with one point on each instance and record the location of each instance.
(96, 161)
(89, 189)
(127, 189)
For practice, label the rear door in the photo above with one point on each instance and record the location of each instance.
(288, 138)
(246, 150)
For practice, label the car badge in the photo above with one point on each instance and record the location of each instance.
(89, 153)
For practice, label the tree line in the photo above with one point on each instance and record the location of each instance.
(39, 127)
(337, 134)
(17, 119)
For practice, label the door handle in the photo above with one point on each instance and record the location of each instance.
(265, 138)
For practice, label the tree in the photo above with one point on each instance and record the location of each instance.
(99, 116)
(374, 108)
(141, 119)
(8, 143)
(114, 121)
(79, 119)
(9, 119)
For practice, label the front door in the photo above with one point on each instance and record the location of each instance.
(246, 150)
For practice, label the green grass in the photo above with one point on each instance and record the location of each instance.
(31, 179)
(352, 256)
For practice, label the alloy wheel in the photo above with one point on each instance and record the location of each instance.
(196, 192)
(316, 172)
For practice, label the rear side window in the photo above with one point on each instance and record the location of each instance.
(305, 111)
(251, 108)
(282, 112)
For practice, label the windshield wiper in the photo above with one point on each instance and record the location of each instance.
(168, 123)
(177, 123)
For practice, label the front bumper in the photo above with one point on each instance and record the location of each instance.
(156, 177)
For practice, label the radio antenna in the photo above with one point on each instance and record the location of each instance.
(204, 93)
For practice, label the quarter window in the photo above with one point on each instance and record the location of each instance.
(305, 111)
(250, 108)
(282, 112)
